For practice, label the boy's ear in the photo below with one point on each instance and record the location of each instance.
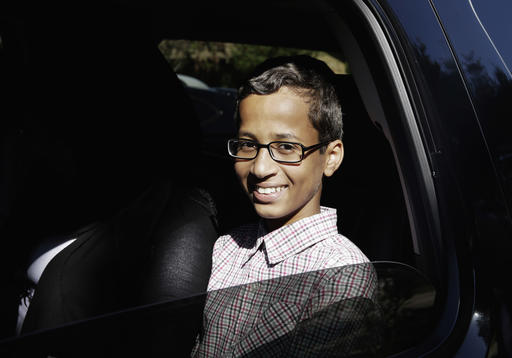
(334, 156)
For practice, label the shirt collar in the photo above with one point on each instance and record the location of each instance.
(291, 239)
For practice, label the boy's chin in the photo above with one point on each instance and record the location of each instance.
(273, 214)
(277, 214)
(269, 211)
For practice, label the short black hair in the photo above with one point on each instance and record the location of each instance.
(311, 78)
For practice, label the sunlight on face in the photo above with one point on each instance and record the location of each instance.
(281, 193)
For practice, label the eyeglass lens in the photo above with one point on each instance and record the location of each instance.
(282, 151)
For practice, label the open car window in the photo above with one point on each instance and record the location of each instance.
(392, 309)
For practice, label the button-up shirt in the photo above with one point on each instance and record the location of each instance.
(251, 254)
(287, 295)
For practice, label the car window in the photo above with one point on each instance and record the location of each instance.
(484, 59)
(215, 108)
(212, 71)
(497, 86)
(493, 21)
(393, 312)
(221, 67)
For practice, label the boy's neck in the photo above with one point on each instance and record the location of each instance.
(274, 224)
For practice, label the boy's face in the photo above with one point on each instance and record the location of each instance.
(283, 116)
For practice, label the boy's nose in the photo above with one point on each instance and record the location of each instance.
(263, 165)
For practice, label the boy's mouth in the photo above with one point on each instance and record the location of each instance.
(268, 194)
(270, 189)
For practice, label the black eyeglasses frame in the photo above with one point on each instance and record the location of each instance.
(267, 146)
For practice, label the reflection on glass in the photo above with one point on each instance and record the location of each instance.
(495, 22)
(366, 310)
(406, 301)
(318, 313)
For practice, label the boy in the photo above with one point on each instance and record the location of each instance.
(289, 138)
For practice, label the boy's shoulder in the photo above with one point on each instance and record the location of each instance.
(341, 250)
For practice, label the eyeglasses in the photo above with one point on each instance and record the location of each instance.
(283, 152)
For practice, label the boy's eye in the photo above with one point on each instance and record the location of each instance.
(285, 148)
(246, 146)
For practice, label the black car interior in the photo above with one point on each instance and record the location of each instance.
(109, 144)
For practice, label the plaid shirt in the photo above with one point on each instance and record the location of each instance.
(290, 308)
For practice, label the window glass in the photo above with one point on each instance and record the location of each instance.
(479, 32)
(373, 310)
(494, 90)
(495, 21)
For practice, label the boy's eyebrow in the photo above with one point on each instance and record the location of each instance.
(247, 134)
(285, 136)
(275, 135)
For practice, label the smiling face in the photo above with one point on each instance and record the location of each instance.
(283, 193)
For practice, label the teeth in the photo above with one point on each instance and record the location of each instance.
(269, 190)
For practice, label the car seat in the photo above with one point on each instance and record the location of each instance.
(133, 146)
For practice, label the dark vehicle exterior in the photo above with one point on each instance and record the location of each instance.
(433, 76)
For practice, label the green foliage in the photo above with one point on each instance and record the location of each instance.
(227, 64)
